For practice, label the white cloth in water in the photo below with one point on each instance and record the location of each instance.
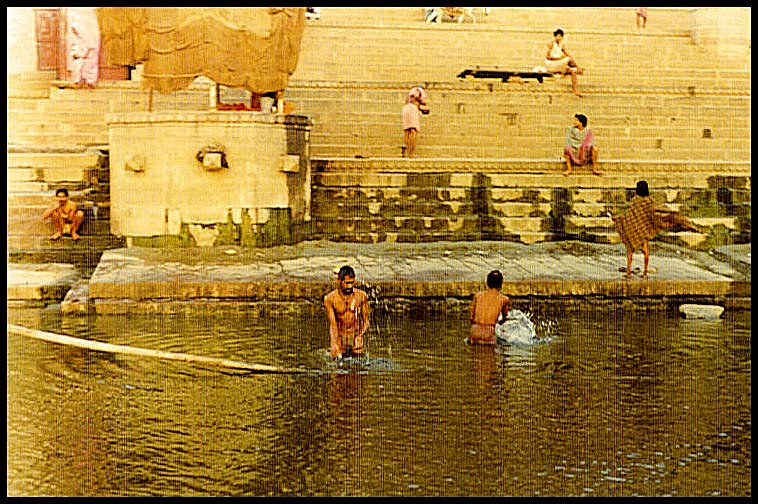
(518, 329)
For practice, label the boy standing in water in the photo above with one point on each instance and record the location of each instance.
(348, 314)
(486, 309)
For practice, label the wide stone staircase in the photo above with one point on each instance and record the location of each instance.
(489, 158)
(58, 137)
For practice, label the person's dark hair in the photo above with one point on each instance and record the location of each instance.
(642, 189)
(582, 119)
(494, 279)
(346, 271)
(558, 32)
(62, 190)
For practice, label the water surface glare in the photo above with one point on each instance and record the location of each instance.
(615, 403)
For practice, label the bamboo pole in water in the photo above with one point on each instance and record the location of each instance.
(146, 352)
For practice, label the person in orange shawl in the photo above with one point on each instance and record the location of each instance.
(642, 221)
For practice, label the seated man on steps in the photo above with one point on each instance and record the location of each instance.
(559, 61)
(580, 147)
(64, 215)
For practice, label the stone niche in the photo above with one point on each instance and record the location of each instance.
(208, 178)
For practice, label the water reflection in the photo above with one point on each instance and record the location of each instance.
(617, 403)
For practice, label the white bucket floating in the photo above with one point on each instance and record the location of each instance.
(698, 311)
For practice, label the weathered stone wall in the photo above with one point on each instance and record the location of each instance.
(208, 178)
(365, 201)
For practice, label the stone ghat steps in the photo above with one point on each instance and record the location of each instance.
(518, 201)
(49, 170)
(681, 134)
(374, 96)
(94, 138)
(75, 124)
(364, 123)
(660, 20)
(38, 131)
(474, 232)
(30, 85)
(595, 78)
(26, 222)
(75, 157)
(84, 254)
(523, 38)
(364, 140)
(693, 173)
(389, 149)
(553, 121)
(480, 102)
(124, 98)
(604, 78)
(362, 53)
(526, 231)
(439, 134)
(381, 106)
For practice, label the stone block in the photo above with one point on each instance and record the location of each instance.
(589, 209)
(47, 282)
(520, 225)
(529, 238)
(687, 239)
(461, 179)
(502, 194)
(588, 195)
(576, 223)
(76, 301)
(23, 174)
(709, 222)
(671, 195)
(698, 311)
(519, 209)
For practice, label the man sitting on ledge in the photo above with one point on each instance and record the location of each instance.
(64, 215)
(579, 147)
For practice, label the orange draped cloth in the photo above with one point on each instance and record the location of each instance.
(255, 48)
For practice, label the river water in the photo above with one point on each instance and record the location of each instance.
(613, 402)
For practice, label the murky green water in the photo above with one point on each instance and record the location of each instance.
(618, 403)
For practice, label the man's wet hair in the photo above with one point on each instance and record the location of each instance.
(494, 279)
(62, 190)
(582, 119)
(558, 32)
(642, 189)
(346, 271)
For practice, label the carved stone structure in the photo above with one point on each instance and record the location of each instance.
(209, 178)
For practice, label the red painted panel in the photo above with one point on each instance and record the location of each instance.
(47, 26)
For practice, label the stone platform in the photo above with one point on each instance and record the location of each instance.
(153, 280)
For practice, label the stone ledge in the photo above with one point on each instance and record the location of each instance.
(41, 282)
(211, 116)
(524, 165)
(635, 291)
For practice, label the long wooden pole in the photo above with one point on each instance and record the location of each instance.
(145, 352)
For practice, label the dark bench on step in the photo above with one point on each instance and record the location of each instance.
(502, 74)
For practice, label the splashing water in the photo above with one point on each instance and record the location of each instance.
(519, 330)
